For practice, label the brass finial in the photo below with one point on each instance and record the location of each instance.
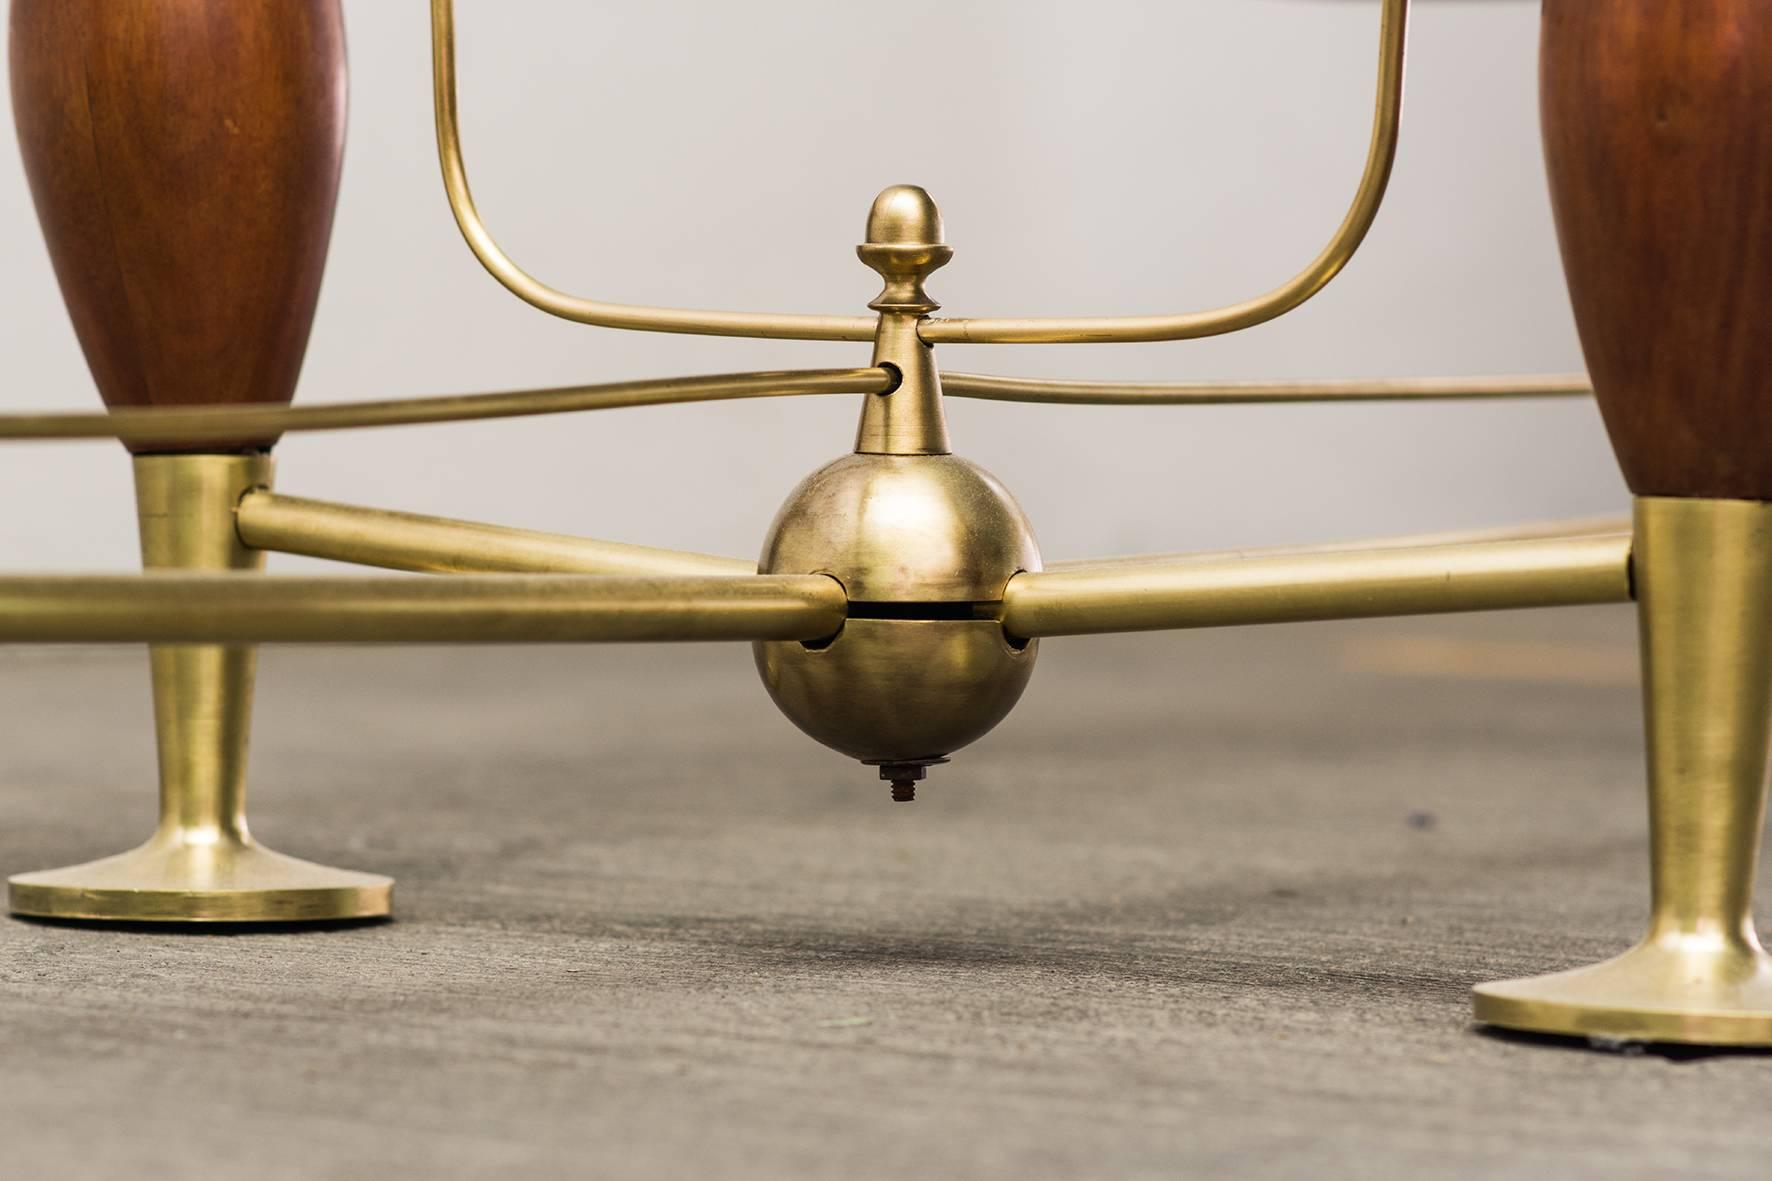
(905, 246)
(904, 215)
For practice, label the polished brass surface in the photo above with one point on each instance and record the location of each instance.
(1386, 121)
(185, 424)
(408, 541)
(1218, 393)
(1535, 530)
(201, 864)
(569, 307)
(899, 690)
(439, 609)
(903, 529)
(1219, 590)
(177, 878)
(908, 419)
(1704, 579)
(904, 244)
(923, 545)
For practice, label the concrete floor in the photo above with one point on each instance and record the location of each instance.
(1207, 904)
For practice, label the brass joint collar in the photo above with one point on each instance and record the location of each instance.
(904, 267)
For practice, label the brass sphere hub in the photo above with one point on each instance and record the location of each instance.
(923, 545)
(922, 541)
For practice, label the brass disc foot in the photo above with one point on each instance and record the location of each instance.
(228, 881)
(1680, 989)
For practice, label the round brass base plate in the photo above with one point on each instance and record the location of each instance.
(226, 882)
(1711, 996)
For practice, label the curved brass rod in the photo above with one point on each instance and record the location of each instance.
(1214, 393)
(233, 608)
(1328, 584)
(409, 541)
(570, 307)
(196, 424)
(1393, 37)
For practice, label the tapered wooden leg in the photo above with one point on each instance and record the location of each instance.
(1660, 159)
(184, 159)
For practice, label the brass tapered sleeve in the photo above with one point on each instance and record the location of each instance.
(202, 692)
(445, 609)
(409, 541)
(1218, 591)
(1706, 582)
(1703, 580)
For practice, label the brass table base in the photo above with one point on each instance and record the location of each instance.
(1706, 993)
(176, 881)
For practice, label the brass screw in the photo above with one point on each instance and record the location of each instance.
(904, 776)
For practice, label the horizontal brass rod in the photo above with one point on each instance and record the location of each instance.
(1287, 588)
(408, 541)
(1578, 527)
(1381, 154)
(446, 609)
(197, 423)
(571, 307)
(1214, 393)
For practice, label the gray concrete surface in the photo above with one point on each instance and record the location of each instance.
(1207, 905)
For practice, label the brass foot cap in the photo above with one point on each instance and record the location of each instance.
(1708, 993)
(226, 882)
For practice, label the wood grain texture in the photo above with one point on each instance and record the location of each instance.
(1658, 136)
(184, 158)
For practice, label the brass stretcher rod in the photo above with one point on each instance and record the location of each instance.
(1208, 591)
(200, 423)
(249, 608)
(197, 424)
(410, 541)
(1290, 587)
(1527, 531)
(1223, 393)
(277, 523)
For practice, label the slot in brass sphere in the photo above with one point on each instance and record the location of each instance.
(923, 545)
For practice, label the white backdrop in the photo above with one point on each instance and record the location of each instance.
(1106, 157)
